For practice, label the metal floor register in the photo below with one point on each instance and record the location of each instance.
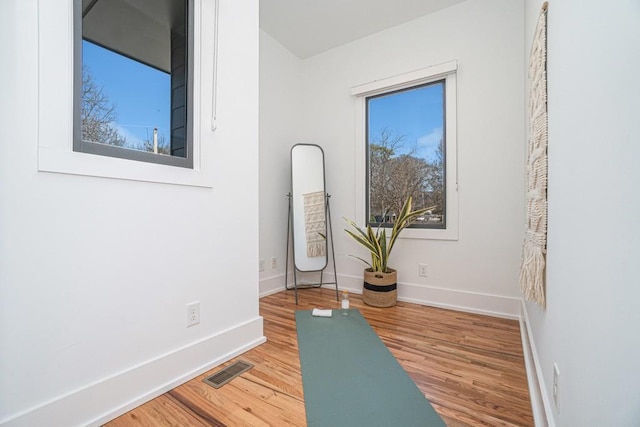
(222, 377)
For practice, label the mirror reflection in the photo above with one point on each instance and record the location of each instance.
(308, 207)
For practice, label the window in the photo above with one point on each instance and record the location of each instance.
(406, 154)
(406, 146)
(59, 62)
(132, 80)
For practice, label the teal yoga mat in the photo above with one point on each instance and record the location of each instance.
(351, 379)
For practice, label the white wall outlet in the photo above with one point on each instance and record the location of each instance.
(261, 265)
(193, 313)
(274, 263)
(422, 270)
(556, 379)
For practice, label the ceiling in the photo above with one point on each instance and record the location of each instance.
(309, 27)
(138, 29)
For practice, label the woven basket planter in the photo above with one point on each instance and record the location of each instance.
(380, 289)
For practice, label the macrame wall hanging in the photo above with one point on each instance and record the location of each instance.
(532, 271)
(315, 223)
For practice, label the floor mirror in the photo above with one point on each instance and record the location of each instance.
(309, 224)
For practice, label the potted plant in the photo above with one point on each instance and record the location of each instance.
(380, 281)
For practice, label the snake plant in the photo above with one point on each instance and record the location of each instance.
(376, 242)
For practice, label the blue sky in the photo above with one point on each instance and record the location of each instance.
(141, 93)
(415, 113)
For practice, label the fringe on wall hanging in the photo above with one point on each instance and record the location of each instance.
(532, 271)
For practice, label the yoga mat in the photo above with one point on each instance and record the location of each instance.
(351, 379)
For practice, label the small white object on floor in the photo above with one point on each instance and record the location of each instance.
(317, 312)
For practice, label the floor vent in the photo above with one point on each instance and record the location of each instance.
(219, 379)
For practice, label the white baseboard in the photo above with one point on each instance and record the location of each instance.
(271, 285)
(471, 302)
(274, 284)
(540, 401)
(113, 396)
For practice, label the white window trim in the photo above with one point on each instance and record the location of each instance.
(55, 105)
(445, 71)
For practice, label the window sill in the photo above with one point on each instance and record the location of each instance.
(429, 234)
(74, 163)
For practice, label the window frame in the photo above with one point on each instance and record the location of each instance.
(448, 73)
(56, 64)
(442, 225)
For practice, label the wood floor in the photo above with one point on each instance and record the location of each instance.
(470, 367)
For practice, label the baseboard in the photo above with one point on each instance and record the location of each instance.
(271, 285)
(274, 284)
(471, 302)
(110, 397)
(540, 401)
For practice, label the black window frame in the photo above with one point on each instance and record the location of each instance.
(433, 226)
(79, 145)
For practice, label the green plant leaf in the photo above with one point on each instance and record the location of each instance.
(363, 260)
(383, 250)
(354, 225)
(377, 255)
(364, 242)
(376, 242)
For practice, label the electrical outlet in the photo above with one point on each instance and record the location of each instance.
(193, 313)
(274, 263)
(422, 270)
(261, 265)
(556, 379)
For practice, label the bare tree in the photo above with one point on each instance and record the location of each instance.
(382, 149)
(393, 177)
(434, 182)
(408, 174)
(98, 113)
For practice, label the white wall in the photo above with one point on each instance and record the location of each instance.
(590, 324)
(95, 273)
(480, 270)
(280, 128)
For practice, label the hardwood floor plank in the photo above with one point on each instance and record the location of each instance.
(164, 412)
(469, 366)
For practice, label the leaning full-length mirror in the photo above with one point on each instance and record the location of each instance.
(309, 213)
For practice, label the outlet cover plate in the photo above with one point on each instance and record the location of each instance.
(422, 270)
(193, 313)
